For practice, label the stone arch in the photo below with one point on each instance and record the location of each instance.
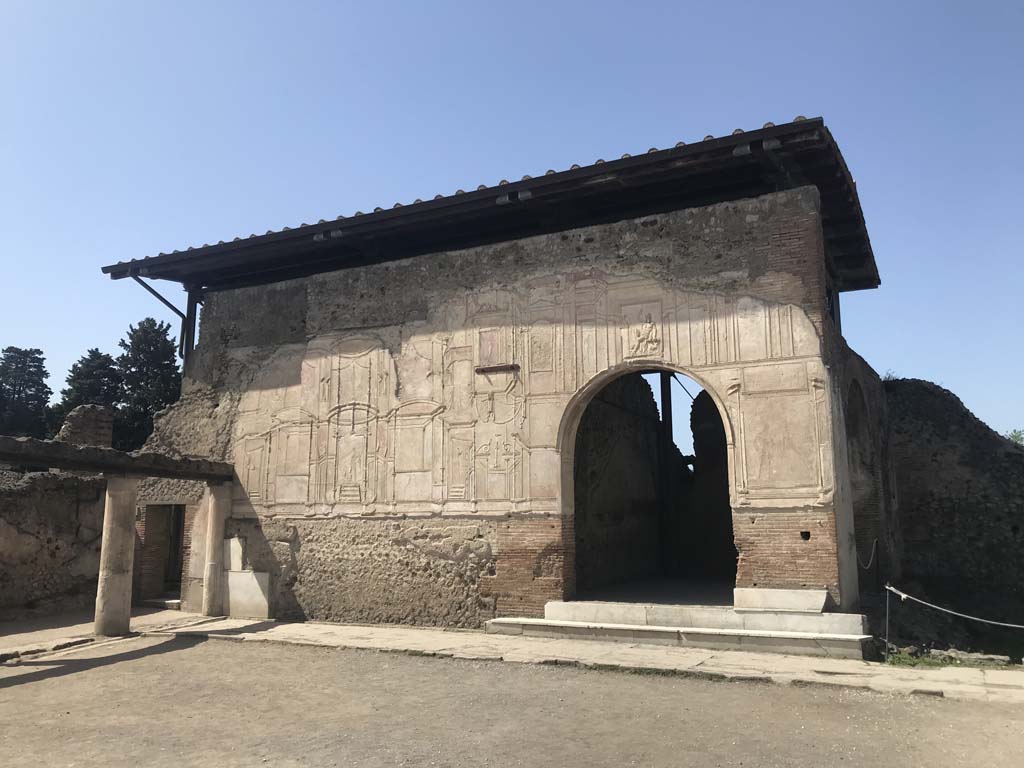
(581, 399)
(572, 416)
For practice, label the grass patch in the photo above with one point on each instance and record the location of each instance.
(904, 659)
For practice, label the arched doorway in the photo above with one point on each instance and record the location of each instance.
(651, 519)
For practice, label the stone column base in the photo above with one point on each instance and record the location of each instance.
(757, 599)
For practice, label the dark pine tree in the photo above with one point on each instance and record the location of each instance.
(24, 395)
(148, 367)
(93, 380)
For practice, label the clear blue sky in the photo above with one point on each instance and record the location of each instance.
(130, 128)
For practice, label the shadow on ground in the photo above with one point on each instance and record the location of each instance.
(12, 623)
(51, 668)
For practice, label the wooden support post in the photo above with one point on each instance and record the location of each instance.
(189, 330)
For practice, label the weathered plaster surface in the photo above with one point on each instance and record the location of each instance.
(864, 471)
(401, 571)
(357, 400)
(50, 530)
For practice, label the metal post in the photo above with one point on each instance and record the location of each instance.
(887, 593)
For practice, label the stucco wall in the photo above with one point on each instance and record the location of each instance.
(354, 398)
(865, 469)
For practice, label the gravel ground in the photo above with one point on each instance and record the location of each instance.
(161, 701)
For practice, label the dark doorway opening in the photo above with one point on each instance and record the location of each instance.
(652, 520)
(175, 551)
(160, 554)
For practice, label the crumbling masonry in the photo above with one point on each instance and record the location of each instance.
(400, 392)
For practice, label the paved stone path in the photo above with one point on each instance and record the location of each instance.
(1002, 685)
(166, 701)
(999, 685)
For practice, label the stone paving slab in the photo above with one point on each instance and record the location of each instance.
(952, 682)
(43, 635)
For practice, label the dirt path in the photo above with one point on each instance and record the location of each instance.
(188, 701)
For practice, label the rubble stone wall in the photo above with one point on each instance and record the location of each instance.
(369, 571)
(50, 530)
(445, 391)
(960, 487)
(51, 524)
(88, 425)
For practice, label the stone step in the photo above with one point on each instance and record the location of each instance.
(706, 617)
(167, 603)
(757, 641)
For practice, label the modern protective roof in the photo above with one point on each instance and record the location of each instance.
(741, 165)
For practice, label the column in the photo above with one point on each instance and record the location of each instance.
(218, 508)
(114, 593)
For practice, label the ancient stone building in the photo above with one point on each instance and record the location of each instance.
(401, 392)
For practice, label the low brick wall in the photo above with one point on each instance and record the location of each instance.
(785, 549)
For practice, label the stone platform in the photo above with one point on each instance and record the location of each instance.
(837, 635)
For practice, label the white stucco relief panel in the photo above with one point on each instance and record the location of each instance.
(784, 446)
(460, 414)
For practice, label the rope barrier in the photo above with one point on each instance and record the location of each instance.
(905, 596)
(874, 551)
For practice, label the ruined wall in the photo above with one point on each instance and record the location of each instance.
(88, 425)
(961, 505)
(866, 469)
(51, 524)
(50, 530)
(361, 399)
(199, 423)
(616, 516)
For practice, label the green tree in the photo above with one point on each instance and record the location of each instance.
(150, 379)
(93, 380)
(1015, 436)
(24, 395)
